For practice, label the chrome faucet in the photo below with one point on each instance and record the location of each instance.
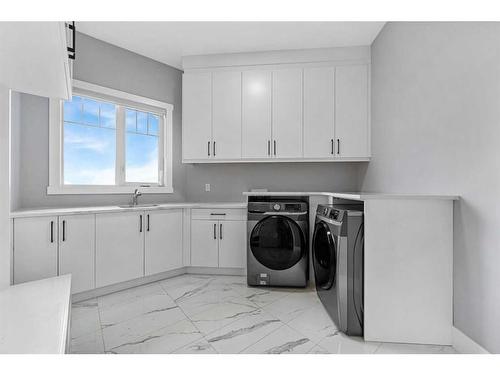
(136, 195)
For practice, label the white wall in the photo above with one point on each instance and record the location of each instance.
(436, 129)
(4, 187)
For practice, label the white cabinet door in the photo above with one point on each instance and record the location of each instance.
(351, 111)
(256, 126)
(163, 242)
(196, 115)
(35, 248)
(204, 243)
(226, 115)
(119, 247)
(77, 251)
(287, 113)
(319, 112)
(232, 244)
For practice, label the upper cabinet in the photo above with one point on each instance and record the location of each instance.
(256, 132)
(226, 115)
(352, 111)
(282, 111)
(35, 59)
(196, 115)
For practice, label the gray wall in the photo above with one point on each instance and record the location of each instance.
(228, 181)
(107, 65)
(436, 129)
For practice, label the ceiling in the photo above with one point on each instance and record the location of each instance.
(167, 42)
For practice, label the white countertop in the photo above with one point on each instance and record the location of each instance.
(104, 209)
(358, 196)
(34, 316)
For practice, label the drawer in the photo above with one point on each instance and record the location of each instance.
(219, 214)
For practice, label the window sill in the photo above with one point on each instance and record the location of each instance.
(71, 190)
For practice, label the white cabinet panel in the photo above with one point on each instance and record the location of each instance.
(35, 248)
(119, 247)
(163, 242)
(351, 111)
(256, 126)
(318, 112)
(76, 250)
(204, 243)
(232, 244)
(287, 113)
(196, 115)
(226, 115)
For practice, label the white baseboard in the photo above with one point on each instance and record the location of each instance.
(464, 344)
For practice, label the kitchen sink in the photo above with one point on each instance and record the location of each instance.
(138, 205)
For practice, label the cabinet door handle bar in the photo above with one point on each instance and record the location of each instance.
(140, 223)
(215, 231)
(64, 230)
(220, 231)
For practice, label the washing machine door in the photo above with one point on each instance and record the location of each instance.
(324, 256)
(277, 242)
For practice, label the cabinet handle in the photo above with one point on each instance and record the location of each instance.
(208, 148)
(268, 148)
(220, 231)
(64, 230)
(214, 148)
(217, 214)
(332, 146)
(52, 232)
(215, 231)
(148, 224)
(274, 148)
(140, 223)
(338, 146)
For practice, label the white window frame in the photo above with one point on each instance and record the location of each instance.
(123, 99)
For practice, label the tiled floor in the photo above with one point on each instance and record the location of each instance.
(215, 314)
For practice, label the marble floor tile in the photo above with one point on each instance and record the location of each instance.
(394, 348)
(129, 294)
(339, 343)
(166, 340)
(90, 343)
(222, 314)
(134, 307)
(262, 296)
(292, 305)
(284, 340)
(318, 350)
(314, 323)
(84, 318)
(133, 329)
(187, 286)
(206, 299)
(239, 335)
(199, 347)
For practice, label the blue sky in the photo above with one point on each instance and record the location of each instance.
(90, 144)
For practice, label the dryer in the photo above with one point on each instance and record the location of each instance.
(277, 251)
(338, 256)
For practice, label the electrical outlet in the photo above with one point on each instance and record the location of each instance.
(207, 187)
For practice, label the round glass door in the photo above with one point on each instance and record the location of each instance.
(277, 242)
(324, 258)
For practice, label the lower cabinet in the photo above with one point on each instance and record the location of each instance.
(204, 243)
(77, 250)
(218, 243)
(163, 242)
(232, 243)
(35, 248)
(119, 247)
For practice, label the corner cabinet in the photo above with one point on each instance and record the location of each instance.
(308, 112)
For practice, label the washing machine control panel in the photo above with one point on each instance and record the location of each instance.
(335, 214)
(276, 207)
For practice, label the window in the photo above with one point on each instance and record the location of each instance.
(107, 141)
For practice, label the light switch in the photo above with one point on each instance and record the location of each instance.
(207, 187)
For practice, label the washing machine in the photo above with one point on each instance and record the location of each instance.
(338, 256)
(277, 251)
